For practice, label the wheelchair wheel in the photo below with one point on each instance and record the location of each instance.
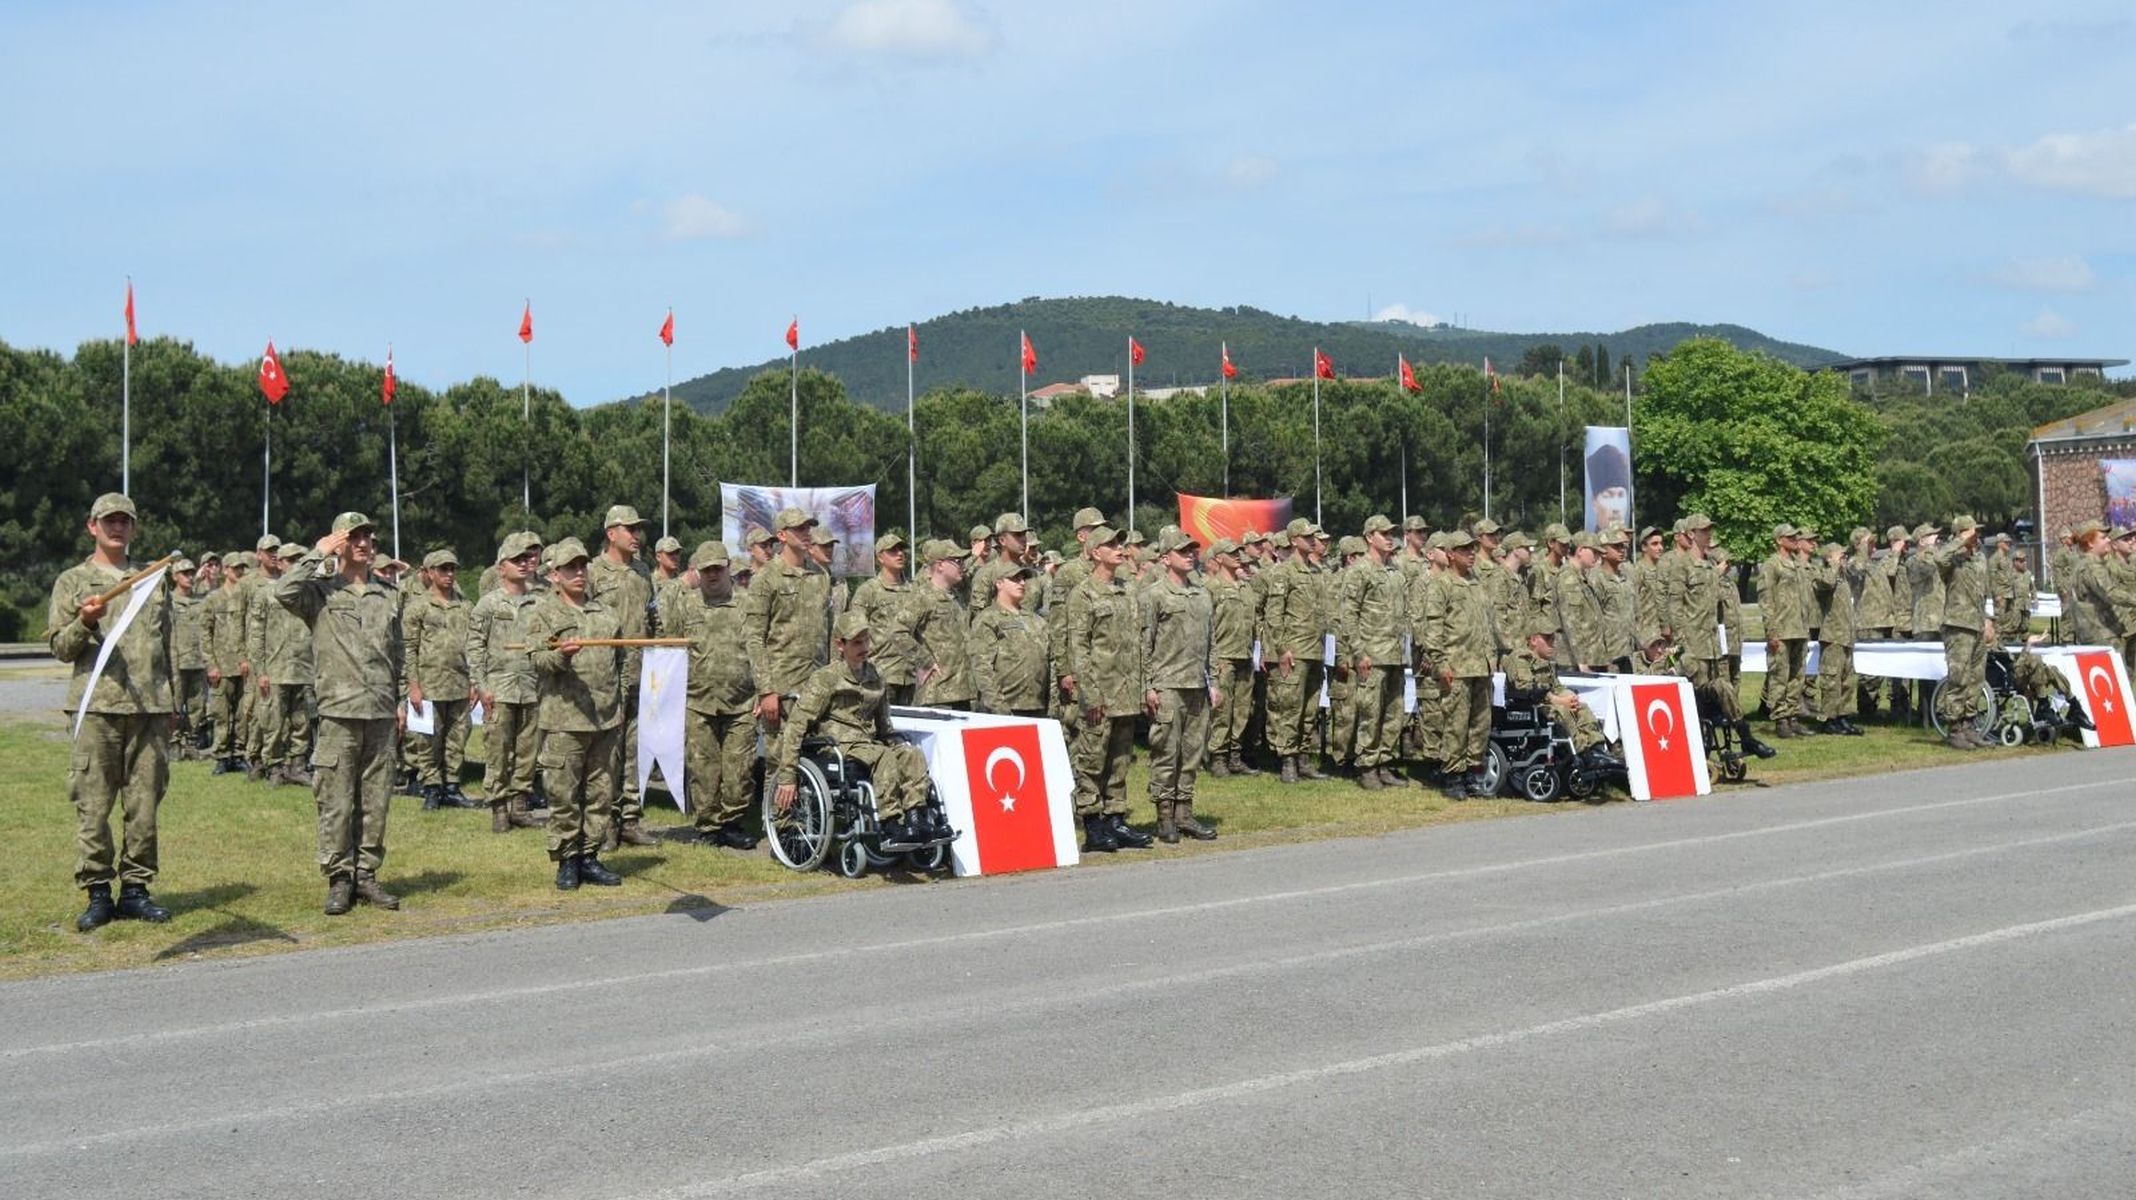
(853, 859)
(1734, 770)
(1493, 778)
(1581, 784)
(1984, 724)
(800, 837)
(929, 860)
(2013, 734)
(1541, 784)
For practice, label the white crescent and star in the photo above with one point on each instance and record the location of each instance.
(1000, 755)
(1666, 711)
(2101, 686)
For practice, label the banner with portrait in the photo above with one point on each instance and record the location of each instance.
(848, 512)
(2119, 477)
(1609, 476)
(1207, 518)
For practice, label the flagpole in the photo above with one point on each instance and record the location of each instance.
(1398, 389)
(1223, 409)
(1023, 404)
(126, 407)
(1131, 431)
(912, 445)
(393, 456)
(1631, 503)
(1316, 435)
(266, 465)
(793, 413)
(1561, 438)
(526, 419)
(1487, 439)
(667, 400)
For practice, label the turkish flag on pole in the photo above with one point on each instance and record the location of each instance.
(272, 381)
(131, 336)
(388, 389)
(667, 329)
(1409, 375)
(1030, 356)
(1664, 755)
(793, 335)
(2106, 696)
(1013, 821)
(1134, 351)
(526, 323)
(1491, 375)
(912, 343)
(1323, 366)
(1230, 372)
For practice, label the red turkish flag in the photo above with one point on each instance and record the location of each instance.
(1134, 351)
(2104, 700)
(1667, 734)
(1409, 375)
(912, 344)
(1323, 366)
(389, 377)
(793, 335)
(526, 323)
(272, 381)
(1012, 817)
(1030, 356)
(131, 336)
(1230, 372)
(667, 329)
(1491, 375)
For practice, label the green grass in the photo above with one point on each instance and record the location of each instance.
(239, 871)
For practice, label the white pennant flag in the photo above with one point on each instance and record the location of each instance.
(663, 692)
(143, 588)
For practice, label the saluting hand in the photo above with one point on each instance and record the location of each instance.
(331, 544)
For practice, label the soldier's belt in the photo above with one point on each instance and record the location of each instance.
(553, 643)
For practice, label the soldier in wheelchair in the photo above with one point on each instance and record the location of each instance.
(845, 777)
(1549, 742)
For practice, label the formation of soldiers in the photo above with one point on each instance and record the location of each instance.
(1290, 650)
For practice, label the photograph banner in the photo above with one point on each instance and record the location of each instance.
(848, 512)
(2119, 476)
(1609, 476)
(1207, 518)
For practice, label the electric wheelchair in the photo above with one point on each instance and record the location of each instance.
(1530, 754)
(834, 813)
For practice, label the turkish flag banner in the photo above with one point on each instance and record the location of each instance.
(1135, 354)
(912, 343)
(793, 335)
(387, 389)
(272, 381)
(667, 329)
(526, 323)
(1030, 356)
(1323, 366)
(2101, 683)
(1409, 375)
(1230, 372)
(1664, 754)
(1006, 787)
(131, 336)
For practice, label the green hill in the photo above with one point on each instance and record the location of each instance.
(1087, 335)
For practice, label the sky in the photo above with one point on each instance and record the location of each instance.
(1889, 178)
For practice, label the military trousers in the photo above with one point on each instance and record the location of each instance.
(1227, 724)
(509, 741)
(122, 761)
(1379, 717)
(226, 701)
(248, 720)
(1429, 720)
(1342, 715)
(1714, 685)
(192, 715)
(1579, 724)
(1467, 706)
(1177, 734)
(1836, 682)
(285, 726)
(897, 771)
(439, 756)
(579, 773)
(1103, 748)
(1293, 703)
(1784, 679)
(717, 749)
(630, 806)
(1965, 664)
(352, 783)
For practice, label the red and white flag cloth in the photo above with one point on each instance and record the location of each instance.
(912, 343)
(131, 336)
(1664, 753)
(1323, 366)
(1230, 371)
(387, 388)
(667, 329)
(1006, 786)
(1135, 353)
(1030, 356)
(2101, 681)
(1409, 375)
(273, 382)
(526, 322)
(793, 335)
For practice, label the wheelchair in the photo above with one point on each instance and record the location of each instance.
(1529, 753)
(1723, 743)
(834, 811)
(2008, 716)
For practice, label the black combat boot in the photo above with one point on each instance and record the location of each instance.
(1098, 836)
(567, 873)
(433, 797)
(135, 905)
(1127, 835)
(99, 912)
(1183, 816)
(591, 871)
(1750, 741)
(340, 896)
(1167, 830)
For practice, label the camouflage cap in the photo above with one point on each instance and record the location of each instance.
(2119, 532)
(1807, 533)
(1105, 535)
(1613, 535)
(440, 558)
(889, 542)
(622, 514)
(183, 564)
(822, 536)
(1437, 541)
(1963, 522)
(1175, 539)
(348, 522)
(1556, 532)
(710, 554)
(1458, 539)
(1928, 527)
(1222, 546)
(1648, 532)
(852, 623)
(110, 503)
(668, 545)
(1858, 533)
(2084, 530)
(1682, 525)
(1584, 540)
(1088, 518)
(1517, 540)
(1019, 571)
(1379, 523)
(758, 535)
(1279, 539)
(1483, 527)
(1783, 530)
(1415, 524)
(1051, 558)
(943, 549)
(1135, 538)
(1349, 544)
(1253, 537)
(1829, 549)
(793, 518)
(516, 544)
(273, 545)
(1895, 533)
(235, 560)
(1299, 527)
(564, 553)
(291, 550)
(1697, 520)
(1011, 523)
(979, 533)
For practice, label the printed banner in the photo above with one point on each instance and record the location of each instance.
(1664, 756)
(663, 690)
(1006, 786)
(1207, 518)
(848, 512)
(2101, 681)
(2119, 477)
(1609, 476)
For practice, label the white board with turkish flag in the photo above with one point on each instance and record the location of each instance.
(1006, 787)
(1664, 752)
(2102, 683)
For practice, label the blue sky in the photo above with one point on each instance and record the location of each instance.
(1882, 178)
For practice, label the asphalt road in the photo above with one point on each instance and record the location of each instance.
(1914, 985)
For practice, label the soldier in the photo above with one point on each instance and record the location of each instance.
(1511, 608)
(1707, 640)
(507, 686)
(222, 635)
(843, 701)
(1531, 675)
(822, 551)
(1104, 664)
(122, 744)
(789, 608)
(1612, 589)
(1580, 605)
(878, 598)
(190, 661)
(934, 625)
(1836, 684)
(435, 626)
(1232, 600)
(1429, 720)
(281, 656)
(1179, 685)
(2087, 606)
(1730, 632)
(356, 652)
(763, 546)
(1369, 632)
(1341, 709)
(1650, 613)
(1922, 591)
(1543, 589)
(1967, 631)
(1787, 632)
(1457, 642)
(1011, 540)
(667, 564)
(721, 742)
(1872, 603)
(624, 586)
(1008, 650)
(1293, 636)
(581, 714)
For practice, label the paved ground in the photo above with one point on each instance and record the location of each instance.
(35, 687)
(1916, 985)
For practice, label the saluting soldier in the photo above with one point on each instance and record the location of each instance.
(1787, 632)
(509, 689)
(721, 741)
(435, 627)
(1967, 631)
(878, 598)
(356, 653)
(1458, 644)
(1179, 685)
(1104, 660)
(581, 715)
(1706, 637)
(222, 636)
(190, 661)
(1368, 640)
(281, 656)
(122, 746)
(624, 585)
(1836, 683)
(1008, 650)
(1232, 601)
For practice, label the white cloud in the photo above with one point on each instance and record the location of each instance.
(1402, 312)
(2049, 324)
(920, 30)
(1648, 217)
(1943, 168)
(2061, 273)
(1250, 170)
(2100, 163)
(694, 218)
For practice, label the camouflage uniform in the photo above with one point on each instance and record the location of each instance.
(222, 636)
(1179, 665)
(846, 705)
(1372, 624)
(582, 717)
(722, 738)
(1233, 603)
(626, 590)
(436, 634)
(1103, 642)
(511, 690)
(1008, 654)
